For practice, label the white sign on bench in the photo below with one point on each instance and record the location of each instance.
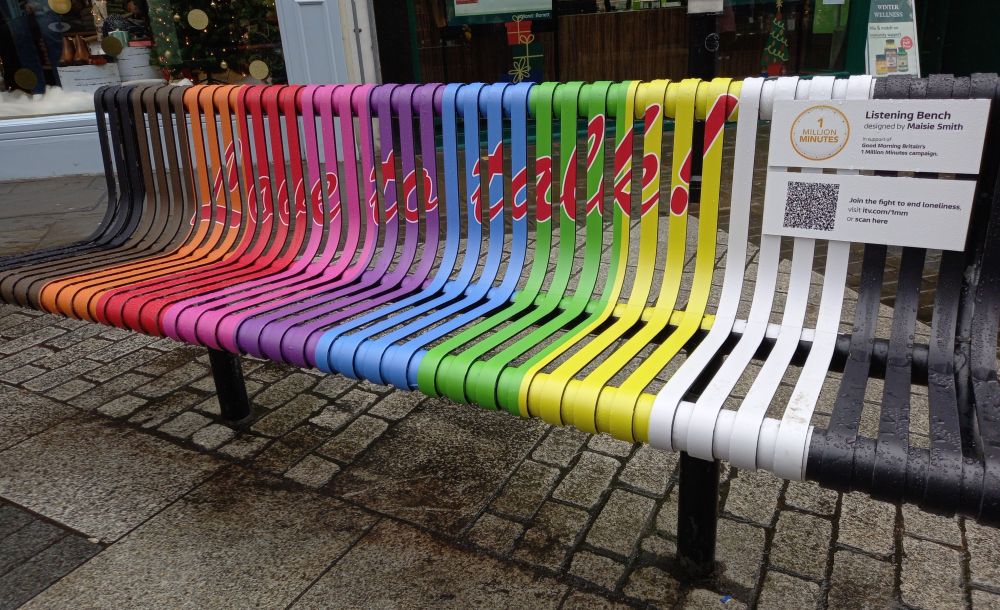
(931, 136)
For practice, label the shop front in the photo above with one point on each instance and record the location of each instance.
(55, 53)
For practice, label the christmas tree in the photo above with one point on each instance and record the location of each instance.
(776, 52)
(217, 39)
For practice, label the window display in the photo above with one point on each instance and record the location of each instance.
(55, 53)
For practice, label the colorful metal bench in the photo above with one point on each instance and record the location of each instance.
(273, 221)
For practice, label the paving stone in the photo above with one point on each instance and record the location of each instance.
(866, 524)
(123, 406)
(70, 389)
(244, 446)
(32, 354)
(374, 388)
(172, 381)
(109, 390)
(753, 495)
(495, 533)
(125, 364)
(526, 490)
(23, 414)
(35, 575)
(579, 600)
(588, 479)
(157, 412)
(931, 527)
(740, 549)
(185, 424)
(649, 469)
(212, 436)
(239, 540)
(658, 545)
(332, 418)
(27, 542)
(13, 320)
(552, 534)
(333, 386)
(289, 449)
(36, 320)
(206, 384)
(166, 344)
(354, 439)
(21, 374)
(984, 553)
(78, 351)
(123, 347)
(983, 600)
(116, 334)
(210, 406)
(67, 323)
(859, 581)
(79, 333)
(356, 400)
(291, 414)
(597, 569)
(284, 390)
(932, 575)
(560, 446)
(801, 543)
(666, 519)
(382, 567)
(313, 471)
(12, 519)
(98, 479)
(605, 443)
(621, 522)
(397, 405)
(166, 363)
(782, 592)
(31, 339)
(272, 372)
(703, 599)
(60, 375)
(652, 584)
(809, 496)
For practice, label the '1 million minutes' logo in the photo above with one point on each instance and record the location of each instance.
(820, 133)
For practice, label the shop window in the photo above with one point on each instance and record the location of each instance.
(55, 53)
(608, 39)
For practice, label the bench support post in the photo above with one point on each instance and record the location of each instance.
(697, 515)
(229, 386)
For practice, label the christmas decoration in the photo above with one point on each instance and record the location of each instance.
(221, 40)
(516, 29)
(526, 52)
(61, 6)
(99, 10)
(776, 52)
(259, 69)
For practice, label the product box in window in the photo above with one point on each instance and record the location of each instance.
(88, 78)
(133, 64)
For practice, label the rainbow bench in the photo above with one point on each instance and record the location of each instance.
(353, 228)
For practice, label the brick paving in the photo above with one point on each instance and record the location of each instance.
(120, 485)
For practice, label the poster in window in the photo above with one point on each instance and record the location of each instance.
(496, 11)
(892, 38)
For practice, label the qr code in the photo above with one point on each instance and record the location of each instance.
(811, 205)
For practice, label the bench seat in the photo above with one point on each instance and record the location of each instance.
(356, 229)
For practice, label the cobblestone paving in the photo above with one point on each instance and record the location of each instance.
(119, 485)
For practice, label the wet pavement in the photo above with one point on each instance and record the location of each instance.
(120, 486)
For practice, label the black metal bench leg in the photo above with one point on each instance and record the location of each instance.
(697, 515)
(229, 386)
